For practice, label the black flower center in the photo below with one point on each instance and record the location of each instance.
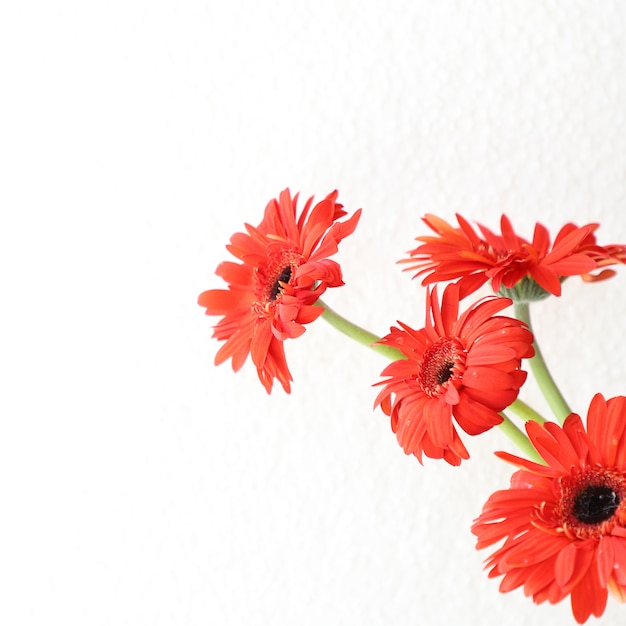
(445, 372)
(595, 504)
(442, 361)
(283, 277)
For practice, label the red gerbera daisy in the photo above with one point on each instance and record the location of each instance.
(564, 523)
(465, 367)
(506, 259)
(284, 269)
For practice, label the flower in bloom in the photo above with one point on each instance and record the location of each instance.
(564, 523)
(271, 294)
(506, 259)
(464, 367)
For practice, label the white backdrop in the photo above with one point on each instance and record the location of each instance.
(142, 485)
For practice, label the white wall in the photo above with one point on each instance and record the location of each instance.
(142, 485)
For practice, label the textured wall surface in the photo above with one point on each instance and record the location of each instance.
(141, 484)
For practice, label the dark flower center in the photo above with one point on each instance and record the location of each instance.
(592, 502)
(439, 365)
(283, 277)
(595, 504)
(445, 372)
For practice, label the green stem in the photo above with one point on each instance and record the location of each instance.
(359, 334)
(540, 370)
(519, 439)
(527, 413)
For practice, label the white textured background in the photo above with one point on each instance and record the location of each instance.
(139, 484)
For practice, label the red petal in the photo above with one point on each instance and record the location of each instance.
(588, 597)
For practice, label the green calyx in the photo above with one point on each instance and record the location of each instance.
(525, 290)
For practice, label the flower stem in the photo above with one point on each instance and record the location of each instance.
(519, 439)
(359, 334)
(527, 413)
(540, 370)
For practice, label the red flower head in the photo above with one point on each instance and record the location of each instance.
(465, 367)
(271, 294)
(564, 523)
(508, 259)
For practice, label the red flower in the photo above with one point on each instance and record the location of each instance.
(465, 367)
(271, 294)
(564, 523)
(506, 259)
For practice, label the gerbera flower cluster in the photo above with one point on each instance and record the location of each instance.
(559, 530)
